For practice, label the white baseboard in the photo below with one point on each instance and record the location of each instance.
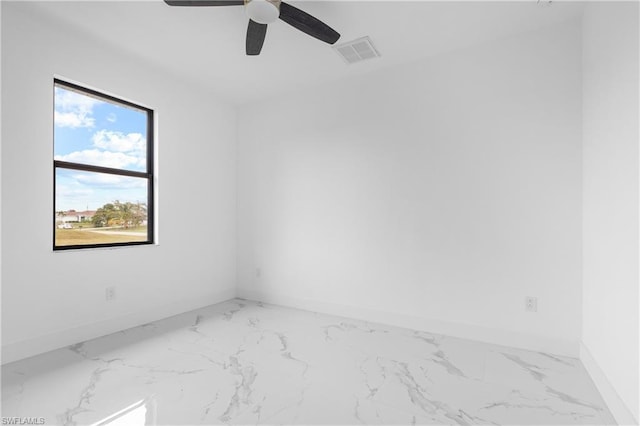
(34, 346)
(618, 408)
(465, 331)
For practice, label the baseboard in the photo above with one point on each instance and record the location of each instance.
(465, 331)
(34, 346)
(618, 408)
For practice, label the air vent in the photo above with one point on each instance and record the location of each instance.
(357, 50)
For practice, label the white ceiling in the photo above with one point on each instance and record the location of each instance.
(206, 44)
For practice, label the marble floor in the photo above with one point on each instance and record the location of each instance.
(242, 362)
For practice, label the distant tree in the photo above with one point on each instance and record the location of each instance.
(104, 215)
(119, 214)
(61, 214)
(138, 214)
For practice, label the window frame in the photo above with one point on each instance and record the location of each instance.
(148, 174)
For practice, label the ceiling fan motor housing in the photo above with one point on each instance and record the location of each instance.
(263, 11)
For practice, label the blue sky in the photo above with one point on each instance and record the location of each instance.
(91, 131)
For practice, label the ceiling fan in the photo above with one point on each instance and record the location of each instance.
(263, 12)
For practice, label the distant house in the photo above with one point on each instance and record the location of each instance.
(74, 216)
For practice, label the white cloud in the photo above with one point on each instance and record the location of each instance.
(111, 118)
(117, 160)
(109, 181)
(67, 192)
(68, 100)
(73, 109)
(72, 119)
(72, 197)
(83, 190)
(119, 142)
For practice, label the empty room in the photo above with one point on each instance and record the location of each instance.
(320, 212)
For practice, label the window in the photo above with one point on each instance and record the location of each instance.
(103, 170)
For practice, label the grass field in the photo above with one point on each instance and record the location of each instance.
(136, 229)
(72, 237)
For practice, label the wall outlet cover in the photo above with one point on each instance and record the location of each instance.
(531, 304)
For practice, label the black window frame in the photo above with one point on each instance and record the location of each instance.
(148, 174)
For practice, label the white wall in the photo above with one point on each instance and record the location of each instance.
(610, 173)
(53, 299)
(437, 195)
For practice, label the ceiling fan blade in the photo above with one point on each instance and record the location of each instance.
(204, 2)
(307, 23)
(255, 37)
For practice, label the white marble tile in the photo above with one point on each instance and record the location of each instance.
(243, 362)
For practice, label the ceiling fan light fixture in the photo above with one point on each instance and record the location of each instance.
(263, 11)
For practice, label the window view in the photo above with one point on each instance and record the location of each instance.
(103, 162)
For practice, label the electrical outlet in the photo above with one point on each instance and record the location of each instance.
(531, 304)
(110, 293)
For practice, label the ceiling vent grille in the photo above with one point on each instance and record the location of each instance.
(357, 50)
